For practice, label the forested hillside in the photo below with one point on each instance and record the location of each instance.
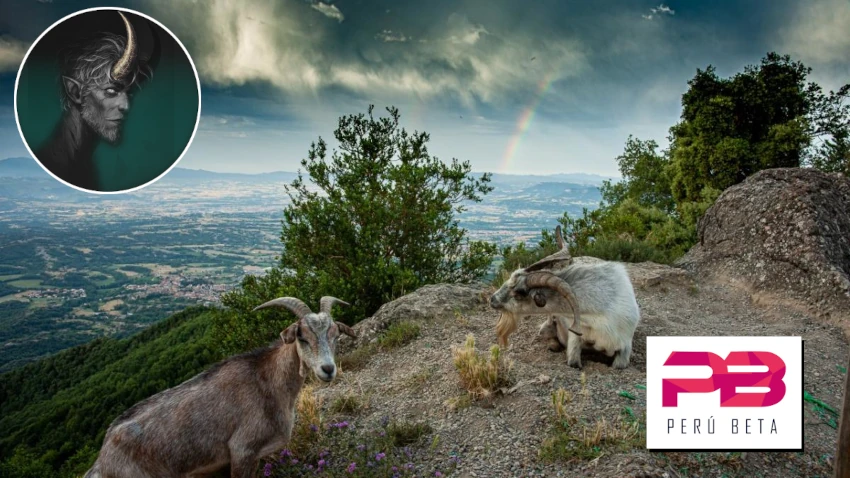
(60, 407)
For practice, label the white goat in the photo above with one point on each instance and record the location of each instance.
(599, 298)
(238, 411)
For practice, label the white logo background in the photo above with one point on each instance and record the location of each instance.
(705, 406)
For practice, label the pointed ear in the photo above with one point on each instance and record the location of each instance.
(289, 333)
(346, 329)
(73, 88)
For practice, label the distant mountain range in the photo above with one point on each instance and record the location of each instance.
(28, 168)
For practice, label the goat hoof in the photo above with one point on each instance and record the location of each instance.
(574, 364)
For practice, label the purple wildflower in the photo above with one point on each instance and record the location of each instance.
(267, 470)
(285, 453)
(409, 466)
(351, 467)
(395, 468)
(294, 461)
(437, 473)
(361, 447)
(383, 433)
(380, 456)
(314, 428)
(323, 454)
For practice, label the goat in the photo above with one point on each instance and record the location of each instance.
(598, 297)
(234, 413)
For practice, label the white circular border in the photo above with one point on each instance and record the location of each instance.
(197, 82)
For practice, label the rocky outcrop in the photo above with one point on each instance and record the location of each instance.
(784, 234)
(427, 302)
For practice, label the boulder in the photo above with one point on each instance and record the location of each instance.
(784, 235)
(427, 302)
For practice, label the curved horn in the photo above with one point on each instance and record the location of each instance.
(327, 302)
(296, 306)
(559, 237)
(551, 281)
(562, 255)
(128, 58)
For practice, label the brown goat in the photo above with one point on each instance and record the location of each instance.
(234, 413)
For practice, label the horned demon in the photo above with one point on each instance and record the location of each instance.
(97, 76)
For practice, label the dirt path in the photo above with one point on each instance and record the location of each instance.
(503, 437)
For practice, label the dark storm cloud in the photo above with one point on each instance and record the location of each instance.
(466, 71)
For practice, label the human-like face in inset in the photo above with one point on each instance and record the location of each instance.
(104, 108)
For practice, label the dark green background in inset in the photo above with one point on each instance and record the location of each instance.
(158, 125)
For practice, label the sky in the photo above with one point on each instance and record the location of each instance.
(512, 86)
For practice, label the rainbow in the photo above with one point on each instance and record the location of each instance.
(524, 121)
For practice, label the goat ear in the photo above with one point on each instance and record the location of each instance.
(289, 333)
(346, 329)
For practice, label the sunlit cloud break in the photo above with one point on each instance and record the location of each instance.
(390, 36)
(661, 9)
(330, 11)
(12, 52)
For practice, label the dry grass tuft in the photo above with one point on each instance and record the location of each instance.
(482, 376)
(347, 404)
(308, 409)
(573, 438)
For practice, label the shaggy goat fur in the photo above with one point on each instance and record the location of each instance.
(608, 310)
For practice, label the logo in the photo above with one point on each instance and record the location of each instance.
(724, 393)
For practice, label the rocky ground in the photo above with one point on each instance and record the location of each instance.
(502, 436)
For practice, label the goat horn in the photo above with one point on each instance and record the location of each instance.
(128, 58)
(551, 281)
(562, 255)
(296, 306)
(559, 237)
(327, 302)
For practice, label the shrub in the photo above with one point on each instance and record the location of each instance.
(368, 223)
(340, 449)
(482, 376)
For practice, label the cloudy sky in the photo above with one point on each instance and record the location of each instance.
(513, 86)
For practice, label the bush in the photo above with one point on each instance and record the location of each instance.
(376, 221)
(389, 448)
(479, 375)
(627, 250)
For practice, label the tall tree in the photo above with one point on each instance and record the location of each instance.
(764, 117)
(645, 179)
(377, 219)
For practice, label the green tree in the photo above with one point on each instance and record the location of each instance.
(764, 117)
(832, 131)
(645, 177)
(376, 220)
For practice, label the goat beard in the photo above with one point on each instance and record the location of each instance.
(506, 325)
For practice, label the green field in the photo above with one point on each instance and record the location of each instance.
(27, 284)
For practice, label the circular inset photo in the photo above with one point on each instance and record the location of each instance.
(107, 100)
